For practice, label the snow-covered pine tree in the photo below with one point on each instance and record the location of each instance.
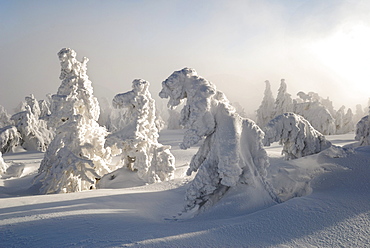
(359, 113)
(232, 152)
(348, 125)
(339, 120)
(363, 131)
(10, 139)
(266, 110)
(283, 102)
(76, 158)
(296, 134)
(173, 121)
(137, 140)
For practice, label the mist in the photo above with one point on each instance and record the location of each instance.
(319, 46)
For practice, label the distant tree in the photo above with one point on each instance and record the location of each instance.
(266, 110)
(4, 118)
(348, 124)
(296, 134)
(231, 153)
(173, 121)
(359, 113)
(137, 140)
(283, 102)
(76, 158)
(339, 120)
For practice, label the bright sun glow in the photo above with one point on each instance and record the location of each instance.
(347, 53)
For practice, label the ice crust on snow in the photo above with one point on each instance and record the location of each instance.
(76, 158)
(232, 151)
(298, 137)
(137, 137)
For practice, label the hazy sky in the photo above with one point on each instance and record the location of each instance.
(315, 45)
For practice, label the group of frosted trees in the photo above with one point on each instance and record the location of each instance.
(79, 151)
(317, 110)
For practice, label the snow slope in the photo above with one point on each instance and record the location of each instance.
(333, 212)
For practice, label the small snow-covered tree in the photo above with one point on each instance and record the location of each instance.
(339, 120)
(358, 114)
(283, 102)
(138, 138)
(266, 110)
(35, 134)
(232, 152)
(10, 138)
(3, 166)
(296, 134)
(76, 158)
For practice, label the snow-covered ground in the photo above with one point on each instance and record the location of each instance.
(333, 209)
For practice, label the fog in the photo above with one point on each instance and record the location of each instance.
(319, 46)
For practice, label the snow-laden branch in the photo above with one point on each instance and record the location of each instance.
(296, 134)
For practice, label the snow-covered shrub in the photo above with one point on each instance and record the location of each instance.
(137, 139)
(4, 118)
(318, 116)
(296, 134)
(3, 166)
(266, 110)
(232, 151)
(76, 158)
(363, 131)
(283, 102)
(10, 138)
(35, 134)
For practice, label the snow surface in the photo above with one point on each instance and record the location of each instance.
(334, 210)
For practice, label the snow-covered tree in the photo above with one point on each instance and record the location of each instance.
(3, 166)
(10, 138)
(283, 102)
(363, 131)
(358, 114)
(4, 118)
(296, 134)
(266, 110)
(35, 134)
(348, 125)
(138, 138)
(231, 153)
(339, 120)
(76, 158)
(318, 116)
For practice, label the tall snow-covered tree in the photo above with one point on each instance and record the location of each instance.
(348, 124)
(283, 102)
(138, 138)
(296, 134)
(266, 110)
(363, 131)
(339, 120)
(359, 113)
(231, 153)
(76, 159)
